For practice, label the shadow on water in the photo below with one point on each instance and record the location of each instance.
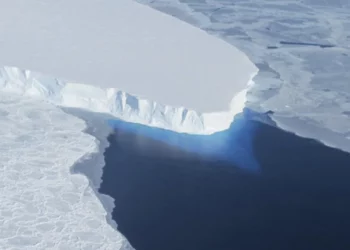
(169, 194)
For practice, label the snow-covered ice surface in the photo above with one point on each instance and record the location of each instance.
(125, 45)
(302, 50)
(42, 204)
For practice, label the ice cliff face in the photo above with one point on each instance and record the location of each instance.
(118, 103)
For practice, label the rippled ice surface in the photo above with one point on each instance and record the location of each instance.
(262, 188)
(302, 49)
(43, 205)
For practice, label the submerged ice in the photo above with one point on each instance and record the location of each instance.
(232, 146)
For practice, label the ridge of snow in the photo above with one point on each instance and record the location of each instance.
(118, 103)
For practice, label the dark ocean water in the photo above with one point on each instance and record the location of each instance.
(253, 187)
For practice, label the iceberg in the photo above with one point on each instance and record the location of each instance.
(135, 62)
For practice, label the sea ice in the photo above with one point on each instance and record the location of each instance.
(44, 206)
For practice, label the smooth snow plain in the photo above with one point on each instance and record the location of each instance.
(43, 205)
(302, 50)
(125, 45)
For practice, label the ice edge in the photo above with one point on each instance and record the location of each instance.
(96, 159)
(119, 103)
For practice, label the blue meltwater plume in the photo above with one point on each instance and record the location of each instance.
(234, 145)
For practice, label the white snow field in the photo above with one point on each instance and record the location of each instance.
(130, 47)
(42, 205)
(306, 86)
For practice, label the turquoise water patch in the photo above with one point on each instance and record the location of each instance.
(233, 145)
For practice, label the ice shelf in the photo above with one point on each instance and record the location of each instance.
(161, 66)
